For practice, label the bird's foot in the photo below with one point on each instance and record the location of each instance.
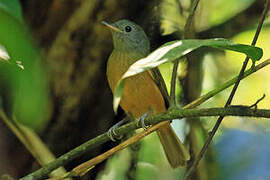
(111, 132)
(141, 120)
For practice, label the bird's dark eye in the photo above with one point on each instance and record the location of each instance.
(128, 28)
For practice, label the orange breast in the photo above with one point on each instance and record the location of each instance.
(140, 93)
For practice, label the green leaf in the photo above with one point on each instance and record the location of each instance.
(13, 8)
(176, 49)
(28, 85)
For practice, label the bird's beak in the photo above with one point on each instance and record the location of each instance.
(112, 27)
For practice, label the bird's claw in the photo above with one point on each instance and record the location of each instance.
(141, 122)
(112, 134)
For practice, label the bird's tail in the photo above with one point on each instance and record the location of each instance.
(175, 150)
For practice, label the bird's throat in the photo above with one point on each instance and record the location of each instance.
(118, 64)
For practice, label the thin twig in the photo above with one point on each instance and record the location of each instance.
(173, 83)
(95, 142)
(190, 18)
(257, 102)
(241, 74)
(176, 63)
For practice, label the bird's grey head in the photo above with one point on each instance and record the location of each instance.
(128, 36)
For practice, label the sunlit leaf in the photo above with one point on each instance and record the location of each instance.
(176, 49)
(3, 54)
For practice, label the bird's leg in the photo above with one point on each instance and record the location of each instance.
(141, 122)
(111, 132)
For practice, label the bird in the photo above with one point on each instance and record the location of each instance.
(140, 94)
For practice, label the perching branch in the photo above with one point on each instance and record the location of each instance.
(101, 139)
(241, 74)
(173, 113)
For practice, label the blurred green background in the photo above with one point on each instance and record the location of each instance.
(63, 94)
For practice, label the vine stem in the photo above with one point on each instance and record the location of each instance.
(176, 63)
(241, 74)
